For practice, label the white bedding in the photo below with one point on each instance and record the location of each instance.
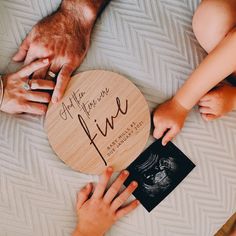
(152, 43)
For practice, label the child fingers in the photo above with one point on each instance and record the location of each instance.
(170, 135)
(205, 110)
(159, 131)
(205, 103)
(102, 184)
(120, 200)
(115, 187)
(206, 97)
(83, 195)
(127, 209)
(208, 117)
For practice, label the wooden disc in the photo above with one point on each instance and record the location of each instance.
(103, 119)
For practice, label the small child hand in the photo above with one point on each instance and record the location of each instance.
(218, 102)
(96, 214)
(169, 116)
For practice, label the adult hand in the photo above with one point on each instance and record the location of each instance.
(17, 99)
(170, 117)
(96, 214)
(64, 38)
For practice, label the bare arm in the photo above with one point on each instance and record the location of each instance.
(88, 9)
(220, 63)
(169, 117)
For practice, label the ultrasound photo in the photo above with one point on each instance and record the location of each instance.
(158, 170)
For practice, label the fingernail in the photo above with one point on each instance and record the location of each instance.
(137, 202)
(126, 172)
(110, 169)
(134, 183)
(163, 143)
(45, 61)
(88, 185)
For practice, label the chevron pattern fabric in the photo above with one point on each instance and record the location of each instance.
(152, 43)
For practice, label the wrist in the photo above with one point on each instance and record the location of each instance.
(83, 10)
(83, 231)
(180, 105)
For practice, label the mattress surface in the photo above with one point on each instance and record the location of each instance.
(150, 42)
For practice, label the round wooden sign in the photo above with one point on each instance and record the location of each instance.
(102, 120)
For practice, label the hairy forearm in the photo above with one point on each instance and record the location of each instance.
(217, 65)
(89, 10)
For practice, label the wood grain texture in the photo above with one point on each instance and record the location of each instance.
(228, 229)
(102, 120)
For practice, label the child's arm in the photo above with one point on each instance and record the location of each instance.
(220, 63)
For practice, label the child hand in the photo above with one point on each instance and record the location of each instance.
(218, 102)
(169, 116)
(96, 214)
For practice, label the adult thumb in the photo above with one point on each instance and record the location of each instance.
(22, 51)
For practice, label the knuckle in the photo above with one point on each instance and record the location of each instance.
(43, 108)
(35, 83)
(82, 192)
(35, 45)
(131, 188)
(47, 97)
(51, 84)
(120, 200)
(114, 190)
(69, 59)
(17, 103)
(21, 93)
(25, 106)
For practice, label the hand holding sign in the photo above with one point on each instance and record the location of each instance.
(102, 120)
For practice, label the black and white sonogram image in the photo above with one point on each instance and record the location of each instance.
(158, 170)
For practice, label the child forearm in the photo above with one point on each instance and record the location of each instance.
(220, 63)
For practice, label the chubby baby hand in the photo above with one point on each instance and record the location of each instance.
(168, 120)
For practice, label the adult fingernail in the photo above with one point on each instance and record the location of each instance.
(134, 183)
(88, 185)
(45, 61)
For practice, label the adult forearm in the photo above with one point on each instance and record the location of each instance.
(88, 9)
(217, 65)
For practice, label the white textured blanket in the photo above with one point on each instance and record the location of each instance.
(152, 43)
